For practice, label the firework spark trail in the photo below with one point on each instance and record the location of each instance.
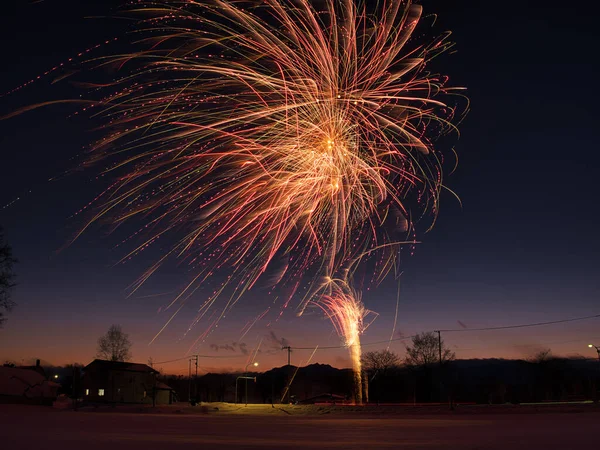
(343, 306)
(302, 135)
(293, 377)
(279, 129)
(395, 317)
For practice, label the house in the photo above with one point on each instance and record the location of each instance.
(123, 382)
(26, 385)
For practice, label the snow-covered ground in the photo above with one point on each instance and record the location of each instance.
(263, 427)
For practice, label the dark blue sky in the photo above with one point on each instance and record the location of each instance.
(524, 246)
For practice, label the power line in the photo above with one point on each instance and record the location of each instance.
(525, 325)
(331, 347)
(201, 356)
(536, 324)
(362, 345)
(537, 344)
(390, 340)
(172, 360)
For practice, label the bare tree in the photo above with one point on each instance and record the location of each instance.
(7, 278)
(425, 350)
(380, 361)
(542, 356)
(114, 345)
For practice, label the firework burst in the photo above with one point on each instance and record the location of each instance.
(275, 130)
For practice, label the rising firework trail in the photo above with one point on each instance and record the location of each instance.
(346, 311)
(288, 137)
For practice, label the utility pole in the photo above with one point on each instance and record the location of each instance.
(440, 346)
(440, 357)
(289, 351)
(450, 402)
(195, 359)
(196, 379)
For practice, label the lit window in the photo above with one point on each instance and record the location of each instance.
(87, 392)
(144, 394)
(101, 392)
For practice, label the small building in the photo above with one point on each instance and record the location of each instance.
(165, 395)
(26, 385)
(123, 382)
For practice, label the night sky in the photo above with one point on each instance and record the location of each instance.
(523, 248)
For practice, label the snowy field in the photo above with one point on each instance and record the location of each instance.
(263, 427)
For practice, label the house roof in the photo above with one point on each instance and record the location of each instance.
(163, 386)
(100, 364)
(17, 380)
(38, 369)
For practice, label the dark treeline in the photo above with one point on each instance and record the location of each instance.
(483, 381)
(268, 387)
(492, 381)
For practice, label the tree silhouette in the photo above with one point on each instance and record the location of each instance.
(380, 361)
(7, 278)
(541, 356)
(425, 350)
(114, 345)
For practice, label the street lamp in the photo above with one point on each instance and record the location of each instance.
(595, 394)
(241, 377)
(56, 377)
(255, 364)
(244, 377)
